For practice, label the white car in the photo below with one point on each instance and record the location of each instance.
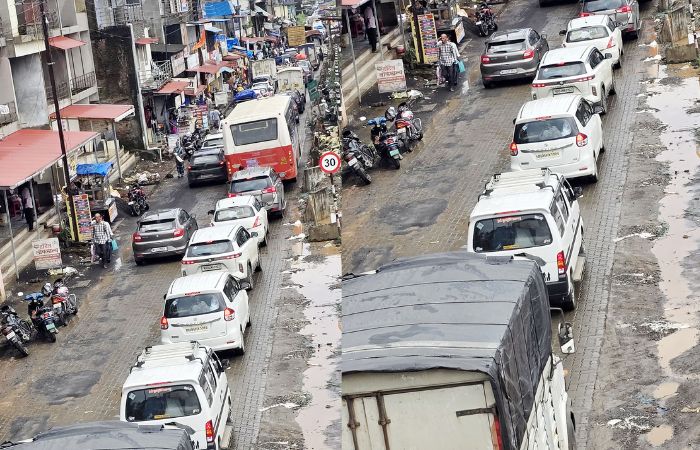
(599, 31)
(263, 89)
(564, 133)
(210, 308)
(243, 210)
(224, 248)
(213, 140)
(576, 70)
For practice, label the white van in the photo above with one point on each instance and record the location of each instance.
(533, 212)
(210, 308)
(229, 248)
(183, 384)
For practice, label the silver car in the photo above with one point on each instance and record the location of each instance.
(512, 54)
(624, 12)
(264, 184)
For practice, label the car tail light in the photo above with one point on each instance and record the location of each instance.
(269, 190)
(585, 14)
(496, 438)
(528, 54)
(209, 431)
(513, 149)
(611, 43)
(539, 85)
(229, 314)
(485, 59)
(163, 323)
(189, 167)
(179, 232)
(586, 78)
(231, 195)
(257, 222)
(581, 140)
(187, 262)
(624, 9)
(136, 237)
(561, 263)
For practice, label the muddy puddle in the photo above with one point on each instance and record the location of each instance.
(659, 435)
(317, 279)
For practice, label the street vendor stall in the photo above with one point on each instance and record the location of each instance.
(93, 180)
(447, 17)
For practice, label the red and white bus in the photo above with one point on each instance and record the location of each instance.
(263, 133)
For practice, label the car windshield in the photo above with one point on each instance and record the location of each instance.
(254, 132)
(214, 142)
(157, 225)
(234, 213)
(209, 248)
(162, 402)
(561, 70)
(251, 184)
(544, 130)
(516, 45)
(205, 159)
(587, 34)
(602, 5)
(193, 305)
(511, 233)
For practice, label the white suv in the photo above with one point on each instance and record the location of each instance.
(575, 70)
(534, 213)
(564, 133)
(243, 210)
(599, 31)
(225, 248)
(210, 308)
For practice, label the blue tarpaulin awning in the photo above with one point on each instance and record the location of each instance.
(101, 169)
(215, 9)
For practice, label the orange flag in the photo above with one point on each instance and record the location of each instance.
(200, 43)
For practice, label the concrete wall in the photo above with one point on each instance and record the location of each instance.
(28, 76)
(7, 93)
(67, 10)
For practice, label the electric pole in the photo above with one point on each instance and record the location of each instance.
(61, 138)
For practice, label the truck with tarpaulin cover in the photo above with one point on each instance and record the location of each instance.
(453, 351)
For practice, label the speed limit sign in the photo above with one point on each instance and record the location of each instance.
(329, 162)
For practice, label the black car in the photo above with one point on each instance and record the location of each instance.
(299, 100)
(207, 165)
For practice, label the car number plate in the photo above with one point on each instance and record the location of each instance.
(210, 267)
(509, 71)
(50, 326)
(394, 152)
(353, 162)
(197, 329)
(159, 249)
(10, 335)
(548, 155)
(251, 163)
(563, 90)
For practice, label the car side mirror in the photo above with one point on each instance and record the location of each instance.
(578, 191)
(562, 32)
(245, 285)
(608, 55)
(565, 333)
(210, 212)
(225, 364)
(598, 110)
(543, 36)
(513, 121)
(193, 216)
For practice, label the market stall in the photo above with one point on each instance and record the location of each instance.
(93, 180)
(447, 17)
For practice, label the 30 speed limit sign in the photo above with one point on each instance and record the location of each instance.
(329, 162)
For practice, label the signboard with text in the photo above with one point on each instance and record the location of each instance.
(47, 254)
(82, 216)
(428, 36)
(390, 76)
(296, 36)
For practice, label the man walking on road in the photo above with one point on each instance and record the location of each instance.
(447, 57)
(102, 239)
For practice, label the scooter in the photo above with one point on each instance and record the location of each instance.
(17, 331)
(485, 20)
(408, 127)
(43, 318)
(64, 303)
(358, 156)
(386, 142)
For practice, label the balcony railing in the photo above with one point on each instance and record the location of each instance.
(8, 113)
(113, 16)
(160, 73)
(63, 90)
(83, 82)
(175, 7)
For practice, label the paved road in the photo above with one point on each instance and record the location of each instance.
(424, 207)
(80, 377)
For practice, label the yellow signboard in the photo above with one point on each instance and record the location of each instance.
(296, 36)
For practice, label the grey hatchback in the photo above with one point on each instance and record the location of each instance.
(512, 54)
(164, 232)
(264, 184)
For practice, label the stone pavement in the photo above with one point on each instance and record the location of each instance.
(424, 207)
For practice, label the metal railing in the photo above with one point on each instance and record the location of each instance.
(160, 73)
(112, 16)
(175, 7)
(29, 20)
(63, 90)
(83, 82)
(10, 116)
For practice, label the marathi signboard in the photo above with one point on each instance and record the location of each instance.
(296, 36)
(428, 37)
(47, 253)
(390, 76)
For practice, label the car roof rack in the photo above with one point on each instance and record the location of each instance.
(186, 350)
(530, 180)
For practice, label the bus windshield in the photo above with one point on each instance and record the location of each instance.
(254, 132)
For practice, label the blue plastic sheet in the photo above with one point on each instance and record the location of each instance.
(101, 169)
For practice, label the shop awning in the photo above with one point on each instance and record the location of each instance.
(206, 68)
(212, 29)
(213, 9)
(173, 87)
(146, 41)
(96, 112)
(195, 91)
(26, 153)
(64, 42)
(232, 57)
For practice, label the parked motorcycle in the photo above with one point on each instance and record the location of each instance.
(485, 20)
(359, 157)
(408, 127)
(42, 316)
(17, 331)
(64, 303)
(137, 201)
(386, 142)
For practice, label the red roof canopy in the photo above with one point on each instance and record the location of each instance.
(173, 87)
(232, 57)
(96, 112)
(146, 41)
(26, 153)
(64, 42)
(206, 68)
